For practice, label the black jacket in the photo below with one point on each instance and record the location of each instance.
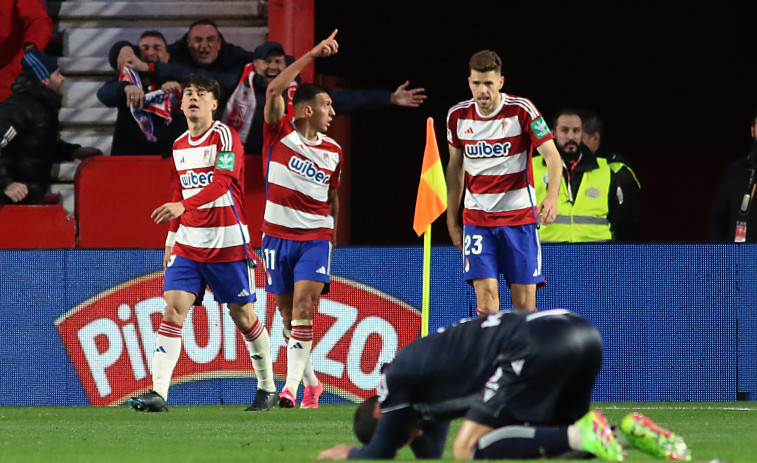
(345, 101)
(29, 145)
(725, 211)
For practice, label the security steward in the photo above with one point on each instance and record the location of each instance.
(598, 200)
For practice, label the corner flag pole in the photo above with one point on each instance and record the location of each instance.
(426, 280)
(430, 203)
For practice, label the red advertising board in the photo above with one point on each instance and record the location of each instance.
(115, 196)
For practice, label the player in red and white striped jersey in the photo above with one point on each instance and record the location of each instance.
(301, 209)
(208, 244)
(491, 138)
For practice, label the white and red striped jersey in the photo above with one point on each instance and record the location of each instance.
(208, 182)
(499, 185)
(299, 175)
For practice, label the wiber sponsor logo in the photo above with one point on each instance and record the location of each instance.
(192, 179)
(307, 169)
(484, 149)
(110, 339)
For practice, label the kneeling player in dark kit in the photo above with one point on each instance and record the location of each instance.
(522, 383)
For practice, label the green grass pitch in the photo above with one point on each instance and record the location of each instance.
(721, 432)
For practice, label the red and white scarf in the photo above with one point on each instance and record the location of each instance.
(242, 104)
(156, 102)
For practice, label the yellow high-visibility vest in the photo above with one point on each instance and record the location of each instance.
(584, 220)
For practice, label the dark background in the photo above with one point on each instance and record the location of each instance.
(674, 84)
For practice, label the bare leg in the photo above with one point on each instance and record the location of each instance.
(523, 297)
(487, 295)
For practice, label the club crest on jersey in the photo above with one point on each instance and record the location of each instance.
(540, 128)
(307, 169)
(483, 149)
(225, 161)
(192, 179)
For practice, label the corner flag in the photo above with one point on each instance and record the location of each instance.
(431, 201)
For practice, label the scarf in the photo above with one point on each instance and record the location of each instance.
(242, 104)
(156, 102)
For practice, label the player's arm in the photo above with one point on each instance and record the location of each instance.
(455, 180)
(217, 188)
(173, 210)
(390, 435)
(333, 202)
(467, 438)
(548, 207)
(228, 168)
(275, 106)
(173, 225)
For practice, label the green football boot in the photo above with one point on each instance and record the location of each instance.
(645, 435)
(599, 438)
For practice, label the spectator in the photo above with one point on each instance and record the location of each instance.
(732, 219)
(593, 138)
(244, 111)
(127, 93)
(24, 25)
(29, 129)
(598, 200)
(201, 50)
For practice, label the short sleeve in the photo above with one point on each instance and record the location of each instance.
(452, 139)
(536, 127)
(230, 157)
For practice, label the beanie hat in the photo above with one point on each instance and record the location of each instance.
(38, 66)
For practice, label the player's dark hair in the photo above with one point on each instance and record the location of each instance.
(306, 93)
(591, 122)
(202, 82)
(153, 33)
(364, 422)
(203, 22)
(485, 61)
(565, 112)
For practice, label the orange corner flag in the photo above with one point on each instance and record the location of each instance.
(431, 201)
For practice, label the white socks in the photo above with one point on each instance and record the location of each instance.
(165, 356)
(308, 376)
(298, 353)
(259, 346)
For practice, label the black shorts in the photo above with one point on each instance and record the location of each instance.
(551, 386)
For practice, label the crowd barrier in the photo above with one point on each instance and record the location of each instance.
(115, 196)
(47, 227)
(77, 327)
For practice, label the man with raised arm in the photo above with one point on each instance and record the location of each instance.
(299, 224)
